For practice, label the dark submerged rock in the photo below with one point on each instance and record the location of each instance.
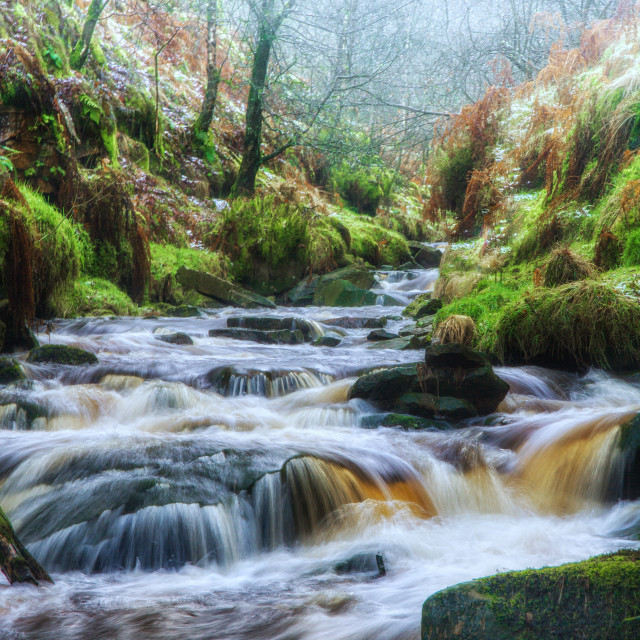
(61, 354)
(357, 323)
(176, 338)
(424, 255)
(381, 334)
(282, 336)
(327, 341)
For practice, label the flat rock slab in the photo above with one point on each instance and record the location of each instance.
(357, 323)
(282, 336)
(176, 338)
(381, 334)
(275, 323)
(221, 290)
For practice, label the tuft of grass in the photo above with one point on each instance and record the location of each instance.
(566, 266)
(581, 324)
(456, 328)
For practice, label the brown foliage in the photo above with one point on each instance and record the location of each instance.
(566, 266)
(608, 251)
(460, 329)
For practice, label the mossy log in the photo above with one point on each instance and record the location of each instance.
(17, 564)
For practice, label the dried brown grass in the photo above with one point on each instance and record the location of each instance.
(459, 329)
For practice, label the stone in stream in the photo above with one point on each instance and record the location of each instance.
(595, 599)
(628, 486)
(303, 293)
(183, 311)
(455, 382)
(327, 341)
(61, 354)
(424, 255)
(274, 323)
(220, 289)
(381, 334)
(395, 344)
(10, 371)
(17, 564)
(357, 323)
(281, 336)
(176, 338)
(424, 305)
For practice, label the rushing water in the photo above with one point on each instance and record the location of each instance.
(229, 489)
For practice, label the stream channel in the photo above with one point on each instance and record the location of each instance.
(231, 490)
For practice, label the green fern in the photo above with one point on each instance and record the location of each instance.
(91, 108)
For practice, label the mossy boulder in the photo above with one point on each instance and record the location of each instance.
(455, 382)
(327, 341)
(61, 354)
(396, 344)
(416, 304)
(220, 289)
(424, 255)
(10, 371)
(598, 599)
(381, 334)
(342, 293)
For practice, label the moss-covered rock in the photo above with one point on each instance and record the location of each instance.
(342, 293)
(598, 599)
(416, 304)
(61, 354)
(424, 255)
(10, 371)
(413, 423)
(178, 338)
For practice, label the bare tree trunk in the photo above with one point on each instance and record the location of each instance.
(81, 49)
(205, 117)
(15, 561)
(252, 156)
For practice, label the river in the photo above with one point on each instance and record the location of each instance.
(230, 490)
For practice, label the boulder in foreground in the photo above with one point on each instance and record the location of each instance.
(220, 289)
(596, 599)
(455, 382)
(17, 564)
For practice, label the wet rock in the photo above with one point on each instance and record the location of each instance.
(381, 334)
(221, 290)
(61, 354)
(342, 293)
(415, 304)
(357, 323)
(424, 255)
(420, 340)
(17, 564)
(455, 383)
(397, 344)
(176, 338)
(274, 323)
(413, 423)
(267, 279)
(426, 404)
(184, 311)
(282, 336)
(424, 305)
(304, 292)
(10, 371)
(629, 446)
(327, 341)
(595, 599)
(358, 563)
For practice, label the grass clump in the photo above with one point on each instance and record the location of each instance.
(456, 328)
(631, 254)
(566, 266)
(576, 325)
(166, 259)
(359, 188)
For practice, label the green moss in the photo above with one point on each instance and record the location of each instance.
(597, 599)
(581, 324)
(10, 371)
(360, 188)
(64, 246)
(93, 297)
(166, 259)
(631, 254)
(61, 354)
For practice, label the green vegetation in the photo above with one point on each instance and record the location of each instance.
(543, 603)
(93, 297)
(575, 325)
(631, 255)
